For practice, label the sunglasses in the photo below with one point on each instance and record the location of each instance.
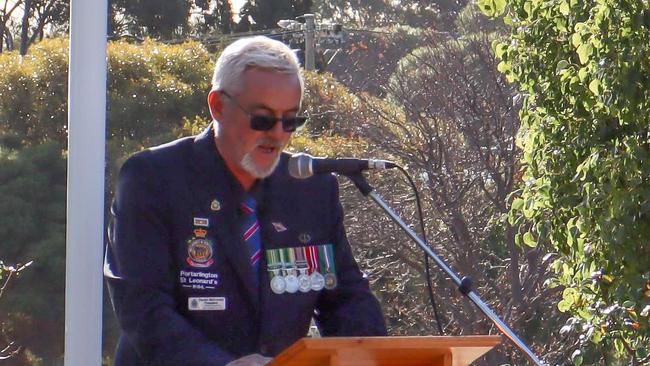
(265, 123)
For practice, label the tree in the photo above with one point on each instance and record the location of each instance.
(8, 348)
(373, 53)
(217, 16)
(37, 15)
(382, 13)
(33, 210)
(159, 19)
(583, 73)
(449, 117)
(262, 14)
(8, 9)
(42, 13)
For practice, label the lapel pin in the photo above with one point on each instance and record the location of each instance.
(304, 238)
(201, 221)
(279, 227)
(215, 205)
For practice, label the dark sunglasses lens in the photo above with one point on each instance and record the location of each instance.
(291, 124)
(262, 123)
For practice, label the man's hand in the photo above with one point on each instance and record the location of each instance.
(251, 360)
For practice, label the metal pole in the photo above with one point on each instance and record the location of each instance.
(509, 333)
(85, 198)
(310, 46)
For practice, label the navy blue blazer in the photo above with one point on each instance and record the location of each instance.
(178, 306)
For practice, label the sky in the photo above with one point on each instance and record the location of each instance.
(236, 5)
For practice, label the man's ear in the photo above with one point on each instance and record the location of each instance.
(215, 103)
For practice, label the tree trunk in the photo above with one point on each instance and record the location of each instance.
(6, 15)
(9, 41)
(2, 36)
(24, 39)
(42, 20)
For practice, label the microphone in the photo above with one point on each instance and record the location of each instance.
(302, 166)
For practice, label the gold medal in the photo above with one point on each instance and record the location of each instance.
(330, 281)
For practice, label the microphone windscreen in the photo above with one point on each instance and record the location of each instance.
(300, 166)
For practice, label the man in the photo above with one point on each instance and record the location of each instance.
(217, 256)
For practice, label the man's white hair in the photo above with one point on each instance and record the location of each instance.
(259, 52)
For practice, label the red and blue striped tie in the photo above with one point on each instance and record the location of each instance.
(252, 234)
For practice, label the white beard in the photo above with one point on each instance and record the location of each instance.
(256, 171)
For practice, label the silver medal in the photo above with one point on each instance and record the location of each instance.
(304, 283)
(278, 285)
(317, 281)
(292, 283)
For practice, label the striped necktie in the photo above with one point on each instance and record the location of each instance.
(251, 230)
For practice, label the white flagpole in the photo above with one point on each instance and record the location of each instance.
(85, 199)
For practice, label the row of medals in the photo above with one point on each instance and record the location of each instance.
(292, 283)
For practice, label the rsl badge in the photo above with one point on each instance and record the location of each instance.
(199, 251)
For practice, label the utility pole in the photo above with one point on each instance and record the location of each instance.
(317, 38)
(310, 44)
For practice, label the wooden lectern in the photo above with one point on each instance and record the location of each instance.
(386, 351)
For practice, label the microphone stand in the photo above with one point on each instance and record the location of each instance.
(464, 284)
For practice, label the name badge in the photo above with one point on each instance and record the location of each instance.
(206, 303)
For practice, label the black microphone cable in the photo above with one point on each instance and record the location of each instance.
(426, 257)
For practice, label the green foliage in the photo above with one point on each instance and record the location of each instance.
(33, 93)
(33, 228)
(153, 89)
(158, 18)
(584, 72)
(380, 13)
(331, 107)
(257, 15)
(169, 19)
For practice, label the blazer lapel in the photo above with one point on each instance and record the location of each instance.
(218, 193)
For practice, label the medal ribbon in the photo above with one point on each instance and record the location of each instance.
(322, 259)
(291, 255)
(313, 259)
(272, 260)
(329, 258)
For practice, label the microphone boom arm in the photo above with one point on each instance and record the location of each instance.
(464, 284)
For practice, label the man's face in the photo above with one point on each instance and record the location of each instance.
(250, 153)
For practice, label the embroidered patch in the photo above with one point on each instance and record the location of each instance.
(199, 252)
